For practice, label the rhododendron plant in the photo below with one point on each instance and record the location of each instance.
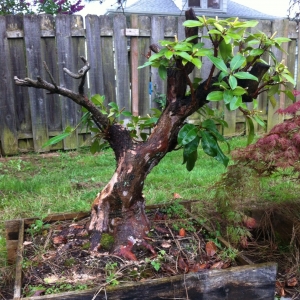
(238, 73)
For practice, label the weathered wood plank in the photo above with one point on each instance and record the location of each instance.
(122, 64)
(12, 228)
(65, 60)
(19, 261)
(157, 34)
(298, 67)
(94, 53)
(8, 130)
(281, 27)
(47, 26)
(245, 282)
(107, 57)
(144, 105)
(290, 62)
(134, 60)
(17, 62)
(263, 102)
(78, 50)
(32, 37)
(53, 102)
(181, 29)
(170, 26)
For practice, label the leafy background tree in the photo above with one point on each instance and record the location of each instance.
(52, 7)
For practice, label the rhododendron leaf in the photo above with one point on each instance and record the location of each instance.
(210, 147)
(192, 23)
(237, 61)
(232, 82)
(259, 121)
(225, 50)
(162, 71)
(288, 78)
(273, 101)
(250, 127)
(245, 75)
(290, 94)
(215, 96)
(235, 102)
(228, 95)
(219, 63)
(186, 134)
(190, 164)
(190, 153)
(210, 125)
(56, 139)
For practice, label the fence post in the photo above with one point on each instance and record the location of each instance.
(8, 132)
(122, 65)
(32, 37)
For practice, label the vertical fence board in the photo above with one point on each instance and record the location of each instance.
(53, 103)
(298, 65)
(291, 58)
(32, 37)
(134, 63)
(144, 91)
(181, 29)
(94, 53)
(8, 132)
(280, 26)
(17, 61)
(108, 63)
(157, 34)
(263, 102)
(78, 51)
(65, 60)
(170, 27)
(122, 65)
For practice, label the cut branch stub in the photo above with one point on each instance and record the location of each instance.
(80, 74)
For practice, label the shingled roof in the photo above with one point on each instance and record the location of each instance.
(168, 7)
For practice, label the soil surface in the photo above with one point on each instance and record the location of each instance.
(57, 257)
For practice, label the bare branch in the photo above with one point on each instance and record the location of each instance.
(155, 48)
(78, 98)
(115, 134)
(80, 74)
(49, 73)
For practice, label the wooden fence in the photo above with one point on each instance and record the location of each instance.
(115, 47)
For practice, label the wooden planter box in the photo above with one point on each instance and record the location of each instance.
(248, 281)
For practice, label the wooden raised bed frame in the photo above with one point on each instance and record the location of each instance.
(248, 281)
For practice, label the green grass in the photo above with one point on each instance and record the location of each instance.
(36, 185)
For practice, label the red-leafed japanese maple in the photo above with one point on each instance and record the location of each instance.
(279, 149)
(238, 74)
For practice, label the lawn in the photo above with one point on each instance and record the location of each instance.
(33, 185)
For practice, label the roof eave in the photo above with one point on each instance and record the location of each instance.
(112, 11)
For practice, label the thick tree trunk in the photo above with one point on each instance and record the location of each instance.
(122, 198)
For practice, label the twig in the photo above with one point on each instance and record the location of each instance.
(50, 75)
(48, 239)
(80, 74)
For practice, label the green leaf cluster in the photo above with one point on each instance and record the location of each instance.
(206, 134)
